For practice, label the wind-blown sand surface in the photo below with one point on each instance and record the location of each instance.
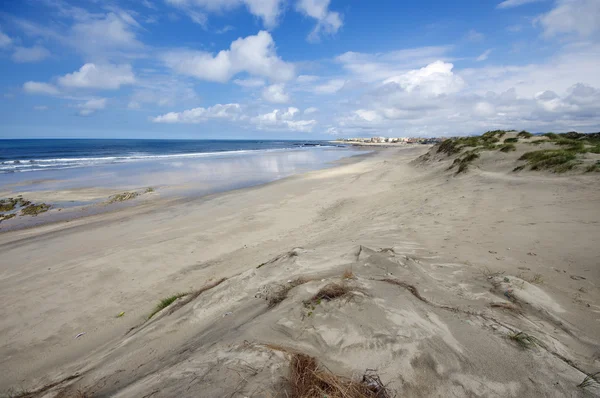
(443, 268)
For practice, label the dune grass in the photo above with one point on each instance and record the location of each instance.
(511, 140)
(309, 380)
(593, 167)
(524, 134)
(164, 303)
(524, 340)
(591, 379)
(281, 294)
(508, 148)
(348, 274)
(557, 160)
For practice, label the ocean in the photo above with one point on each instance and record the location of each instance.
(197, 167)
(36, 155)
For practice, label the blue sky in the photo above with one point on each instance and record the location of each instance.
(296, 68)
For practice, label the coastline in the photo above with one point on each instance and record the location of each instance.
(68, 204)
(383, 217)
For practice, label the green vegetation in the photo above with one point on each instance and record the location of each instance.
(464, 161)
(494, 133)
(524, 134)
(449, 147)
(164, 303)
(508, 148)
(593, 167)
(590, 380)
(6, 216)
(34, 210)
(121, 197)
(564, 157)
(594, 149)
(557, 160)
(148, 190)
(11, 203)
(524, 340)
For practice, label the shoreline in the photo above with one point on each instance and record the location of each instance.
(453, 240)
(94, 200)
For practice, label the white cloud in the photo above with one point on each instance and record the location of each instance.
(275, 93)
(515, 3)
(255, 55)
(434, 79)
(436, 100)
(311, 110)
(572, 16)
(328, 22)
(306, 79)
(40, 88)
(91, 106)
(107, 77)
(31, 54)
(105, 36)
(283, 119)
(376, 67)
(40, 108)
(268, 11)
(251, 82)
(199, 115)
(475, 36)
(224, 29)
(5, 41)
(332, 86)
(484, 56)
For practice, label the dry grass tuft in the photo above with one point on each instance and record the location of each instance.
(348, 274)
(590, 380)
(507, 306)
(330, 292)
(308, 380)
(193, 295)
(281, 294)
(412, 289)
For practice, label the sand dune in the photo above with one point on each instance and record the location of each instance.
(478, 284)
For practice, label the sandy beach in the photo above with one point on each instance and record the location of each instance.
(441, 273)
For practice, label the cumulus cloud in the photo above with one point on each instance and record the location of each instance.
(572, 16)
(199, 115)
(328, 22)
(107, 77)
(515, 3)
(40, 88)
(283, 119)
(30, 54)
(268, 11)
(434, 79)
(375, 67)
(311, 110)
(255, 55)
(275, 93)
(91, 106)
(286, 119)
(330, 87)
